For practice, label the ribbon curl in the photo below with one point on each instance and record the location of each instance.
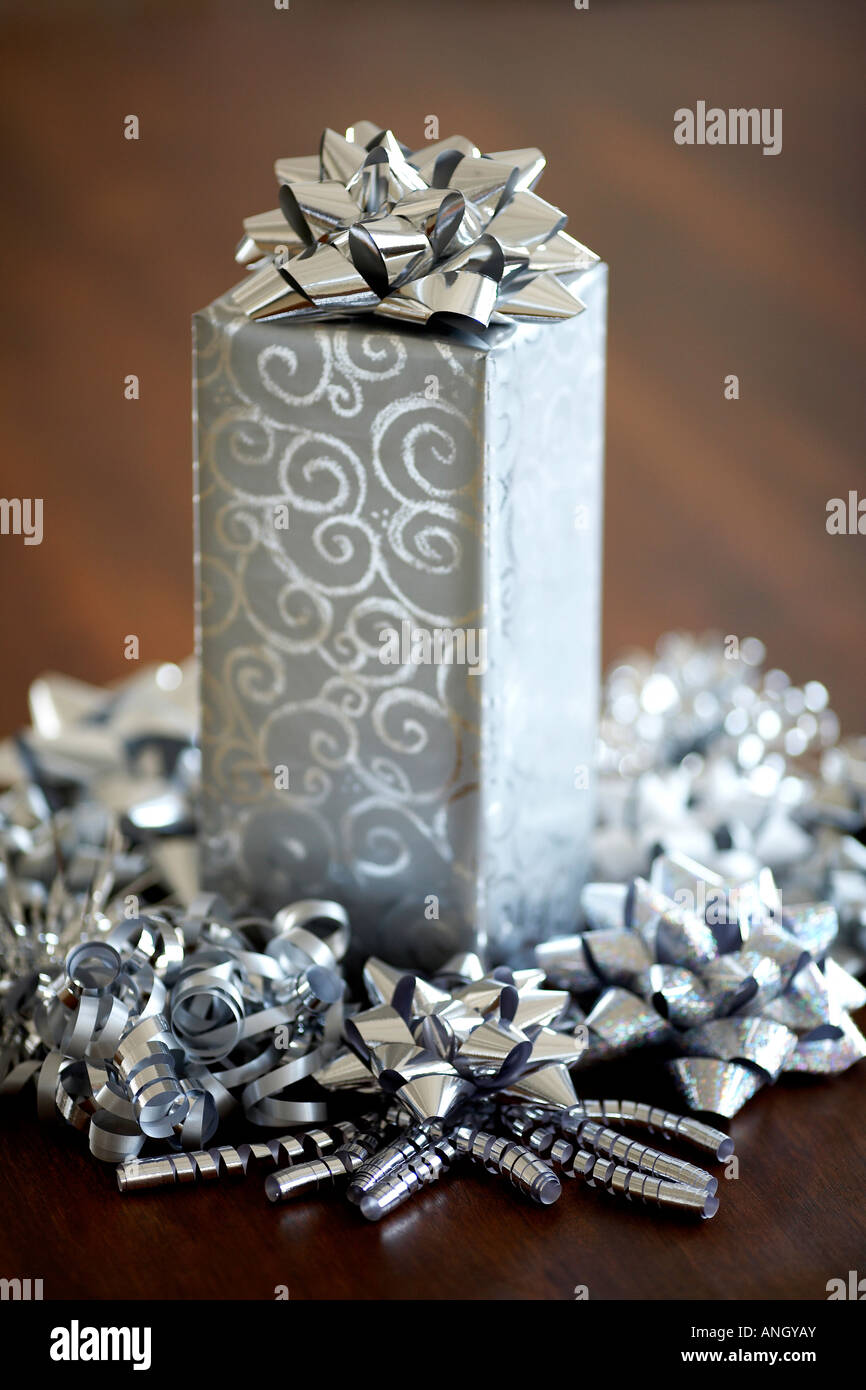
(162, 1025)
(151, 1029)
(442, 233)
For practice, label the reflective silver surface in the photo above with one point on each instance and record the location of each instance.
(632, 1154)
(450, 485)
(441, 231)
(88, 992)
(737, 976)
(533, 1177)
(426, 1166)
(650, 1117)
(628, 1183)
(720, 1088)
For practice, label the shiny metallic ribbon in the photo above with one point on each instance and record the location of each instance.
(114, 1067)
(744, 987)
(440, 234)
(463, 1037)
(166, 1020)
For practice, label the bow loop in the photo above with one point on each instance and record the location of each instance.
(443, 233)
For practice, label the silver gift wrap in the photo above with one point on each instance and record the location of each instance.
(356, 478)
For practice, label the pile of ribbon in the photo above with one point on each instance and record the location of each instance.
(440, 235)
(159, 1026)
(141, 1009)
(146, 1013)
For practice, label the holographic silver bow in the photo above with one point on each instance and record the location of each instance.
(370, 226)
(724, 788)
(746, 988)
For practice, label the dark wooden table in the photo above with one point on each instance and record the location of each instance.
(792, 1219)
(723, 261)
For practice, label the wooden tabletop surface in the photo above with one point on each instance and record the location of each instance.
(723, 261)
(790, 1218)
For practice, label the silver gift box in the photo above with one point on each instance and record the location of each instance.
(398, 610)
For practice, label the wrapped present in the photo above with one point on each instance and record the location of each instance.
(399, 458)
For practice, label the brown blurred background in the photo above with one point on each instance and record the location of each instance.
(723, 261)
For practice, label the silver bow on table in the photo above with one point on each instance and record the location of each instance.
(370, 226)
(746, 988)
(732, 818)
(433, 1044)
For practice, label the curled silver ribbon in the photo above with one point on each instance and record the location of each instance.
(149, 1029)
(163, 1023)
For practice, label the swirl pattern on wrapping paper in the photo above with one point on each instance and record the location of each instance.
(423, 484)
(379, 478)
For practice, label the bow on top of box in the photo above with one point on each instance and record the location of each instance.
(369, 226)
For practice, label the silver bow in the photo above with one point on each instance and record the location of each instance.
(370, 226)
(434, 1045)
(747, 989)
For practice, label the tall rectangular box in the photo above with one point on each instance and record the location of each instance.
(398, 614)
